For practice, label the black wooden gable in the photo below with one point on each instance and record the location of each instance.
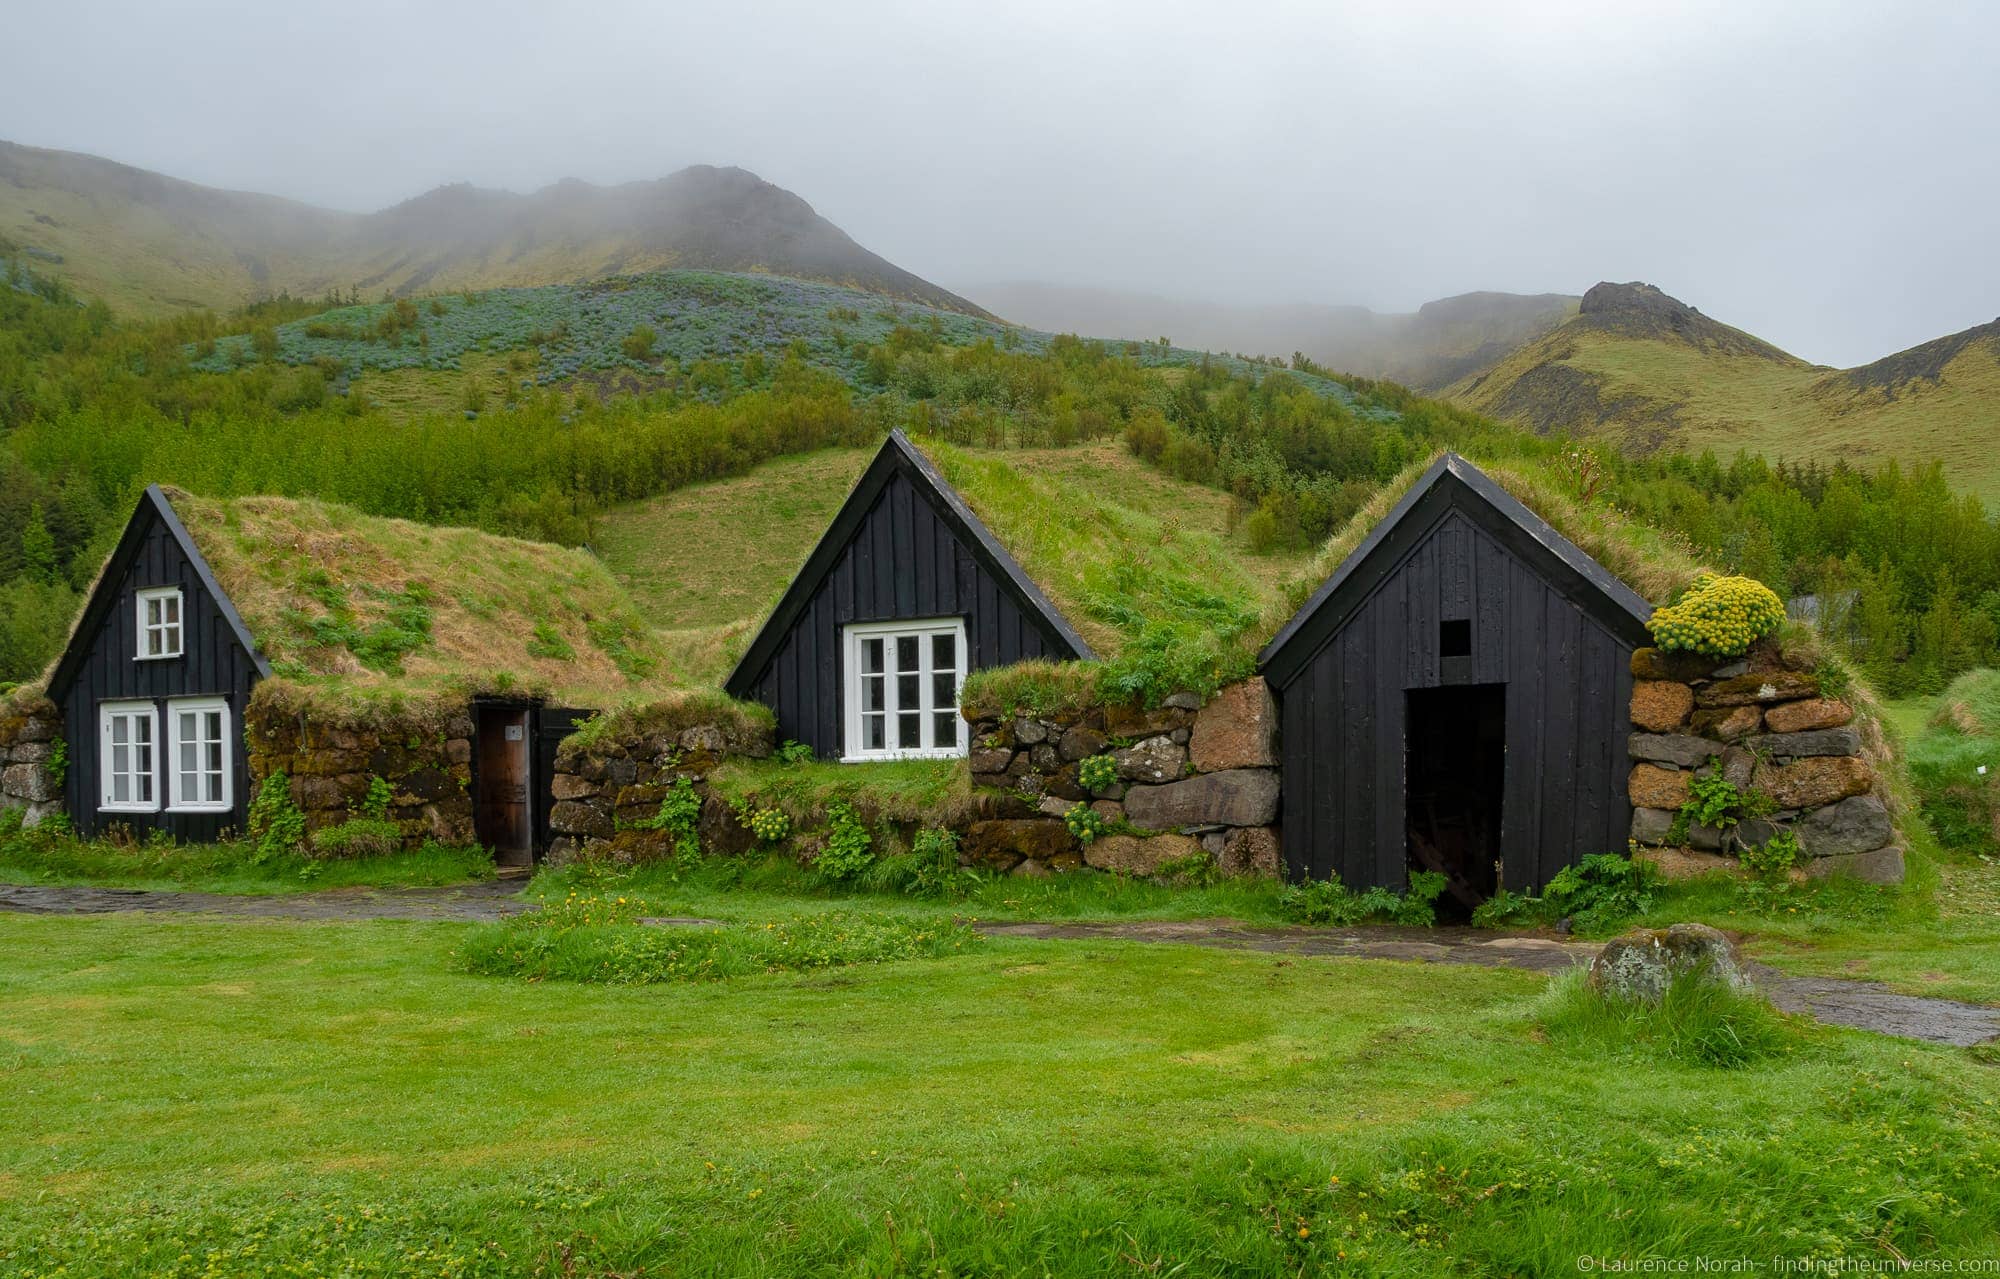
(1452, 486)
(174, 561)
(904, 546)
(219, 658)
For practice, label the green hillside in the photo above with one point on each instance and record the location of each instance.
(148, 244)
(1652, 373)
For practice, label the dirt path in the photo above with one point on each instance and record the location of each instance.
(1866, 1005)
(492, 899)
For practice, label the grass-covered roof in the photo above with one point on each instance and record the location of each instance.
(337, 597)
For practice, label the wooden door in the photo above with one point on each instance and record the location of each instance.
(501, 816)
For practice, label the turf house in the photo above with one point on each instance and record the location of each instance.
(906, 594)
(227, 641)
(1454, 697)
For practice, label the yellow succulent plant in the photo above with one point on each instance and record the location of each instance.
(1718, 616)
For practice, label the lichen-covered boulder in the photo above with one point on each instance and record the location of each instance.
(1001, 843)
(1804, 717)
(1677, 749)
(1641, 964)
(1817, 741)
(1253, 851)
(1156, 759)
(1758, 689)
(1858, 824)
(1877, 866)
(1238, 797)
(1129, 855)
(1815, 782)
(1651, 786)
(1659, 706)
(1728, 724)
(1237, 729)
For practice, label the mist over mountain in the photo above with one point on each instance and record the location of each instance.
(149, 243)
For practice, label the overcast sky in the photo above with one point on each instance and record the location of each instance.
(1825, 175)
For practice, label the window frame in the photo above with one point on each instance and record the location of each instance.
(146, 629)
(128, 709)
(924, 629)
(176, 707)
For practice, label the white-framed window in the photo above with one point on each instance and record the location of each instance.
(198, 755)
(128, 738)
(160, 627)
(902, 689)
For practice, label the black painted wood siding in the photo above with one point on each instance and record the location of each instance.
(212, 664)
(902, 563)
(1568, 688)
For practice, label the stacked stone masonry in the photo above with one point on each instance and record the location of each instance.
(1770, 730)
(30, 759)
(606, 789)
(1191, 778)
(331, 758)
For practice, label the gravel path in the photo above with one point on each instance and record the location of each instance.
(1866, 1005)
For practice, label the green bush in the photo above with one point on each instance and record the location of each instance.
(276, 824)
(591, 938)
(1328, 901)
(1601, 890)
(849, 847)
(930, 870)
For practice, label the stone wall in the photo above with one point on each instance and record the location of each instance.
(1191, 778)
(1769, 729)
(30, 742)
(331, 752)
(606, 781)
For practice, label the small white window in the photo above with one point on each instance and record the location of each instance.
(902, 690)
(159, 623)
(127, 736)
(198, 755)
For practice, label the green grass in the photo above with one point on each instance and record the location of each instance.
(199, 1098)
(1791, 411)
(228, 867)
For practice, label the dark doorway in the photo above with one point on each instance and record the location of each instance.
(501, 817)
(1456, 763)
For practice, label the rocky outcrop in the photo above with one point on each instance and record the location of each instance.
(609, 784)
(1779, 739)
(1642, 964)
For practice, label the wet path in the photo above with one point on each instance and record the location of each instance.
(1861, 1004)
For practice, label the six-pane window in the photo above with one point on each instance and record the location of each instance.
(200, 754)
(127, 733)
(160, 622)
(903, 681)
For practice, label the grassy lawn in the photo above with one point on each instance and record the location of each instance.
(232, 867)
(195, 1097)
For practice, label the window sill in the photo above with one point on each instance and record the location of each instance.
(158, 657)
(128, 808)
(891, 757)
(198, 808)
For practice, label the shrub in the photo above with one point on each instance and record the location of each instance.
(929, 870)
(1328, 901)
(1777, 855)
(849, 847)
(1718, 617)
(1601, 890)
(275, 821)
(679, 817)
